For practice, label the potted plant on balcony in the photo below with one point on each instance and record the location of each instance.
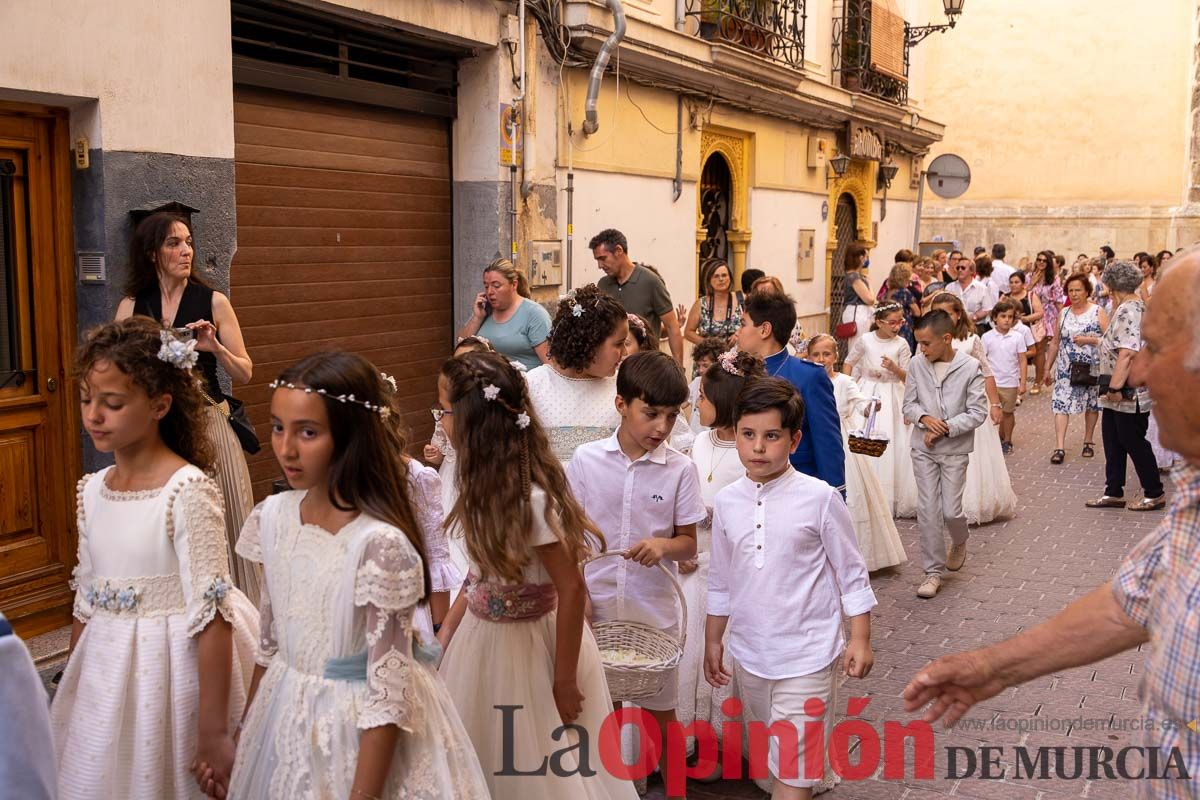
(854, 54)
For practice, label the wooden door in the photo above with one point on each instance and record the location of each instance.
(39, 445)
(845, 222)
(343, 225)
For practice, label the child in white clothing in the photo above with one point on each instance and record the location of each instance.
(645, 498)
(704, 355)
(785, 569)
(1007, 350)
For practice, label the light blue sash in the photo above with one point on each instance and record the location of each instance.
(354, 668)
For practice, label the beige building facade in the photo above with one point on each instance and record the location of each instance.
(1079, 126)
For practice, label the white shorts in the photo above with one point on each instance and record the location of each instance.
(770, 701)
(668, 698)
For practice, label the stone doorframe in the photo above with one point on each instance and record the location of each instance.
(859, 183)
(734, 146)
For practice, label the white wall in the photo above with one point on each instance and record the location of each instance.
(160, 69)
(895, 233)
(660, 232)
(776, 217)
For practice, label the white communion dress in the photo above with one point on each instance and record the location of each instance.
(894, 468)
(718, 465)
(153, 573)
(988, 495)
(502, 655)
(878, 539)
(338, 647)
(573, 411)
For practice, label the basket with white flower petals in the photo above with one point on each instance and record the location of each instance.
(638, 658)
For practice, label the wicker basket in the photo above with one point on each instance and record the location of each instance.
(632, 682)
(867, 447)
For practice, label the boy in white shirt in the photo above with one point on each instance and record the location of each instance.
(1007, 349)
(645, 498)
(785, 567)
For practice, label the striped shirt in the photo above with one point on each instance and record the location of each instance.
(1158, 586)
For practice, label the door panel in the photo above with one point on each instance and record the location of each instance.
(38, 444)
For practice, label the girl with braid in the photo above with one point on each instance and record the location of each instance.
(519, 662)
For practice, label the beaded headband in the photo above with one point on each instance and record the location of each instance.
(728, 361)
(176, 352)
(383, 411)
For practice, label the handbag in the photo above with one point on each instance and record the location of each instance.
(1081, 374)
(846, 330)
(240, 422)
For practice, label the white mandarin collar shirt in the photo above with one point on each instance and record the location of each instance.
(630, 500)
(785, 567)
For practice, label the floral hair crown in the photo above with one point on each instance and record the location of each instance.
(382, 410)
(637, 322)
(577, 308)
(886, 307)
(176, 352)
(728, 362)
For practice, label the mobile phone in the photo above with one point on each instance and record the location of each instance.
(186, 334)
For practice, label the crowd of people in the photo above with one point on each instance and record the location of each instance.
(392, 628)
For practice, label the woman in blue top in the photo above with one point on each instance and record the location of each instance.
(504, 315)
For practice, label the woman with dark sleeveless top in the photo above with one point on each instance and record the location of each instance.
(162, 285)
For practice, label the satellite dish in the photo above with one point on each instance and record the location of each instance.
(948, 176)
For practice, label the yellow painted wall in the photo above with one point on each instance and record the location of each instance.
(465, 20)
(1065, 101)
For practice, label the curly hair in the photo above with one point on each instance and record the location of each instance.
(574, 338)
(147, 239)
(131, 346)
(366, 472)
(1122, 276)
(504, 461)
(722, 387)
(709, 347)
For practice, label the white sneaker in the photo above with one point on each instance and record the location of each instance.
(930, 586)
(956, 557)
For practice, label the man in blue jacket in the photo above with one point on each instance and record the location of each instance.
(767, 322)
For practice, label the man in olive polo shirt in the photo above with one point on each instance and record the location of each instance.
(640, 290)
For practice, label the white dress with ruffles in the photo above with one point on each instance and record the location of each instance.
(573, 411)
(330, 602)
(153, 573)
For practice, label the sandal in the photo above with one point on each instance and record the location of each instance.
(1058, 457)
(1088, 451)
(1149, 504)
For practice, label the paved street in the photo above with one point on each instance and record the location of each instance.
(1017, 573)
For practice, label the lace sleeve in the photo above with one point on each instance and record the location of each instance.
(268, 645)
(81, 576)
(427, 496)
(196, 521)
(389, 585)
(249, 543)
(980, 355)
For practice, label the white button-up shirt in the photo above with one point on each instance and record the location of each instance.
(976, 297)
(630, 501)
(998, 280)
(785, 566)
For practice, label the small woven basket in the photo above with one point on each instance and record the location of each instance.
(660, 651)
(867, 447)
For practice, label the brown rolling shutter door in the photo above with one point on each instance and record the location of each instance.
(343, 222)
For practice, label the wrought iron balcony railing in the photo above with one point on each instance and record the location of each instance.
(772, 28)
(852, 61)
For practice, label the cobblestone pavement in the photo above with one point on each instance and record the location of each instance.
(1017, 573)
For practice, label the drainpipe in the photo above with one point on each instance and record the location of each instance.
(680, 15)
(677, 184)
(590, 122)
(527, 116)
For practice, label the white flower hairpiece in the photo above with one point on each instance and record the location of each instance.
(728, 361)
(389, 380)
(522, 420)
(577, 309)
(383, 411)
(177, 353)
(491, 392)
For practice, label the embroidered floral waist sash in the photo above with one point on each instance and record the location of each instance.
(504, 602)
(156, 595)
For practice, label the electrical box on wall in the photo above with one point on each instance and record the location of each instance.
(818, 151)
(545, 263)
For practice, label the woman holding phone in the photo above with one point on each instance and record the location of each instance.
(164, 286)
(506, 317)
